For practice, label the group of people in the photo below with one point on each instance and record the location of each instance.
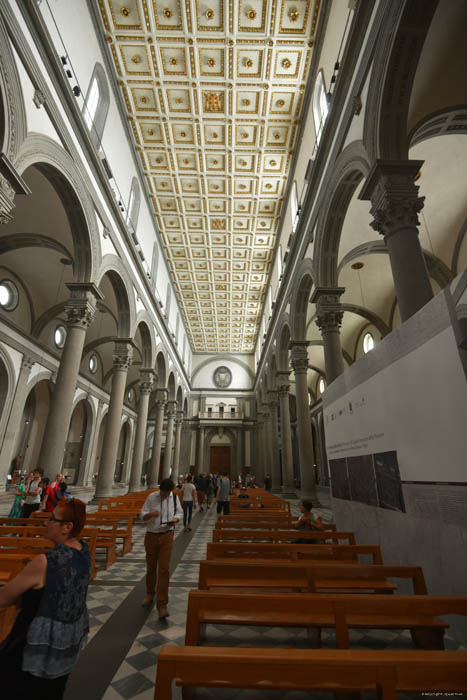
(37, 493)
(201, 490)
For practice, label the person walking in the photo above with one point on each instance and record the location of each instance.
(223, 495)
(189, 500)
(161, 511)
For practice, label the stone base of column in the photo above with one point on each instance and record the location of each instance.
(288, 492)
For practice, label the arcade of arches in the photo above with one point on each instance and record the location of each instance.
(261, 272)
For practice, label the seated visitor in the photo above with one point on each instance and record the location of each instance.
(43, 646)
(308, 521)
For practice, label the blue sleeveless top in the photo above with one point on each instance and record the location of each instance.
(59, 630)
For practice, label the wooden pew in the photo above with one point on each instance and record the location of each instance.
(259, 524)
(303, 576)
(271, 535)
(418, 613)
(10, 566)
(121, 533)
(348, 553)
(339, 670)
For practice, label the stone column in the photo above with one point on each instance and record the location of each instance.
(80, 311)
(267, 441)
(177, 445)
(305, 440)
(122, 357)
(169, 438)
(329, 315)
(395, 205)
(146, 384)
(283, 388)
(161, 400)
(274, 443)
(14, 419)
(260, 469)
(200, 451)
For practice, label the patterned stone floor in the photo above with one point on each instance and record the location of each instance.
(114, 602)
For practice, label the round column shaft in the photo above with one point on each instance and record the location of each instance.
(145, 388)
(122, 361)
(200, 455)
(169, 437)
(305, 440)
(288, 486)
(80, 314)
(153, 477)
(177, 445)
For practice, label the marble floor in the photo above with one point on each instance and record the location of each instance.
(120, 659)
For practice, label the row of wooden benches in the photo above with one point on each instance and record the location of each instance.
(315, 586)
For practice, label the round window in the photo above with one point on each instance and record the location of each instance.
(130, 395)
(60, 336)
(93, 363)
(321, 386)
(368, 342)
(8, 295)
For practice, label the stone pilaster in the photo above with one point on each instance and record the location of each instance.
(169, 438)
(146, 385)
(329, 315)
(122, 358)
(395, 207)
(200, 451)
(305, 441)
(177, 445)
(161, 400)
(14, 419)
(283, 389)
(275, 465)
(80, 311)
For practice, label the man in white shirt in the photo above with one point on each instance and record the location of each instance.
(160, 512)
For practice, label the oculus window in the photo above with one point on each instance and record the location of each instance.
(8, 295)
(368, 343)
(93, 364)
(320, 105)
(60, 337)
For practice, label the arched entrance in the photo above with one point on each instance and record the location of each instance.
(221, 451)
(123, 445)
(32, 425)
(77, 444)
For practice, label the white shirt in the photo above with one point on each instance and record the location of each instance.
(166, 509)
(188, 492)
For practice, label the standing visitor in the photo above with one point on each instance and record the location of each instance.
(189, 499)
(17, 506)
(223, 495)
(33, 494)
(267, 482)
(161, 511)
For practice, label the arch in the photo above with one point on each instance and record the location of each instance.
(305, 279)
(113, 267)
(7, 389)
(233, 437)
(154, 261)
(83, 450)
(58, 167)
(394, 67)
(96, 104)
(13, 122)
(179, 398)
(171, 387)
(351, 167)
(437, 269)
(284, 341)
(161, 370)
(146, 329)
(134, 203)
(15, 241)
(445, 121)
(219, 357)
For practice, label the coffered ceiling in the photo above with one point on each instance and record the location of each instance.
(214, 91)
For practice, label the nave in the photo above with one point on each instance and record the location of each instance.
(120, 659)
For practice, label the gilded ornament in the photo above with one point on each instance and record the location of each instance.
(268, 186)
(168, 12)
(294, 15)
(211, 62)
(144, 99)
(251, 14)
(286, 63)
(248, 62)
(215, 162)
(186, 161)
(244, 135)
(182, 134)
(280, 103)
(136, 59)
(173, 61)
(272, 163)
(246, 102)
(178, 100)
(209, 14)
(124, 11)
(277, 135)
(215, 135)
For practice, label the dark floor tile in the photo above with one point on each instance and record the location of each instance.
(132, 685)
(142, 660)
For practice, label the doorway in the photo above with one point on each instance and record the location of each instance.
(219, 459)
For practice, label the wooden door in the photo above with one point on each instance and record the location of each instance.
(220, 459)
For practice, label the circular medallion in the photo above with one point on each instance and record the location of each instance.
(222, 377)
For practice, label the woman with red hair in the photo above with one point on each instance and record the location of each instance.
(39, 653)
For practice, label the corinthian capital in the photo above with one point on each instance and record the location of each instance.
(81, 306)
(123, 354)
(394, 195)
(146, 380)
(171, 409)
(299, 352)
(328, 308)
